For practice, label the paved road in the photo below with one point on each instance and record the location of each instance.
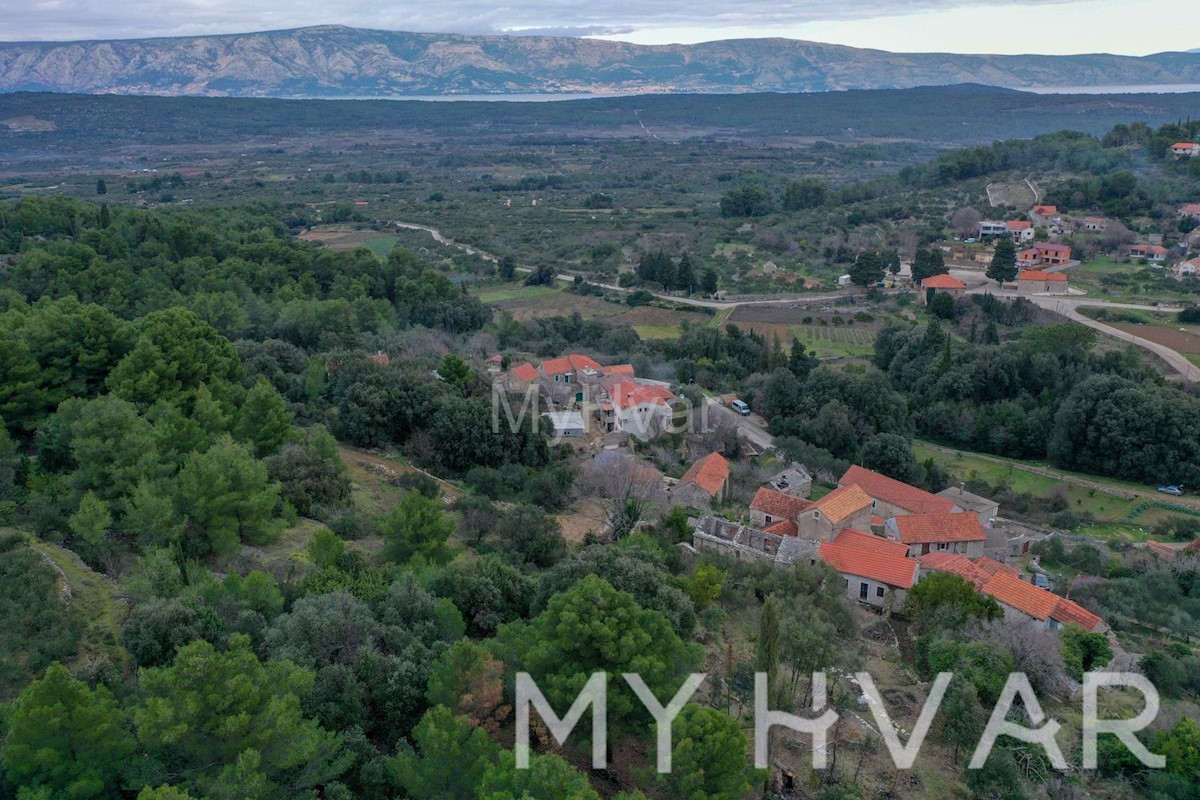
(1069, 305)
(751, 428)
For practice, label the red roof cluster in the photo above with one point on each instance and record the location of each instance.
(851, 554)
(901, 495)
(943, 282)
(709, 474)
(779, 505)
(939, 528)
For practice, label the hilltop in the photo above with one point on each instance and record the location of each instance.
(336, 61)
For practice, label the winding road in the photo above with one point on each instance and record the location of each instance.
(1065, 305)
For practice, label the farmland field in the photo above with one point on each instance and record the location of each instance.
(829, 334)
(1183, 339)
(339, 239)
(532, 302)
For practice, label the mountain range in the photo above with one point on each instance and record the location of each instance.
(336, 61)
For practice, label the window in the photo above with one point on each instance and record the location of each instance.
(768, 518)
(863, 589)
(816, 515)
(846, 583)
(941, 545)
(879, 591)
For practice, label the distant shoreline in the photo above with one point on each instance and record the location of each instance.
(550, 97)
(1153, 88)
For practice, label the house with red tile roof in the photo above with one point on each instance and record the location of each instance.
(958, 533)
(1044, 214)
(1053, 254)
(894, 498)
(770, 506)
(941, 283)
(871, 573)
(1186, 268)
(705, 483)
(1021, 230)
(845, 507)
(638, 408)
(784, 527)
(1033, 281)
(1148, 252)
(1068, 612)
(521, 377)
(1024, 601)
(1190, 210)
(1185, 149)
(564, 369)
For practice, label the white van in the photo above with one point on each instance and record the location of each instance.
(740, 407)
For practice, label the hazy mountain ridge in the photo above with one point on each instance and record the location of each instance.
(334, 61)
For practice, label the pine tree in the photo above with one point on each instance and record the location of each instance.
(1004, 262)
(101, 187)
(685, 277)
(507, 268)
(766, 649)
(709, 282)
(867, 269)
(264, 420)
(66, 739)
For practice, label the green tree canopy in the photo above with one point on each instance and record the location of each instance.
(67, 738)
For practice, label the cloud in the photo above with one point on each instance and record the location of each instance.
(104, 19)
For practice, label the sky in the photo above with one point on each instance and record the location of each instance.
(1130, 27)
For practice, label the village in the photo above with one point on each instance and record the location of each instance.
(881, 535)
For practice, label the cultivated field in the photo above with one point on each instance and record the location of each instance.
(532, 302)
(338, 239)
(832, 334)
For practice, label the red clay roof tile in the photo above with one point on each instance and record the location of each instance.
(889, 490)
(923, 528)
(779, 505)
(877, 566)
(709, 473)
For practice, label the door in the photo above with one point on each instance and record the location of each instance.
(863, 590)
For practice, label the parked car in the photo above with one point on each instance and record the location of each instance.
(1041, 581)
(1176, 491)
(740, 407)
